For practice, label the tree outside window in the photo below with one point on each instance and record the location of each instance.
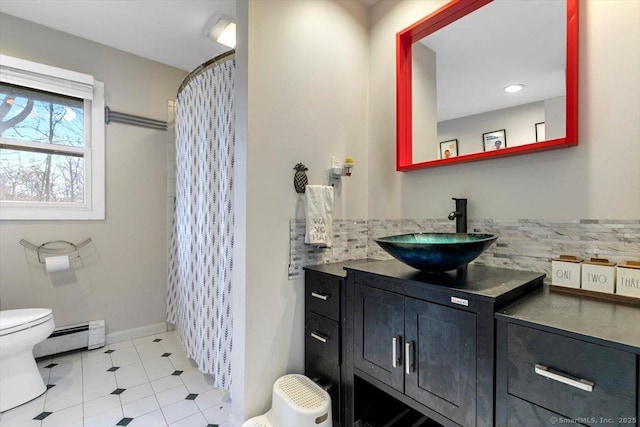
(42, 146)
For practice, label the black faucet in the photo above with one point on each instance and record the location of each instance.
(460, 215)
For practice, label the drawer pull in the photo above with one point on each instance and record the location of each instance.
(319, 337)
(395, 354)
(323, 297)
(408, 358)
(552, 374)
(325, 387)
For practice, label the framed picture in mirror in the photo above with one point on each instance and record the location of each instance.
(449, 149)
(494, 140)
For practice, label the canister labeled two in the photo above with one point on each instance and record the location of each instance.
(598, 274)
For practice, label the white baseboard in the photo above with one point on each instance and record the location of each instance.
(129, 334)
(233, 422)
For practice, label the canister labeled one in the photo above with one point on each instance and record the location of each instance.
(598, 274)
(565, 271)
(628, 279)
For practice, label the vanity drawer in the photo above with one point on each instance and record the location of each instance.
(520, 413)
(540, 364)
(322, 294)
(322, 336)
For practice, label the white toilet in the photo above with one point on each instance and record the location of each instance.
(20, 330)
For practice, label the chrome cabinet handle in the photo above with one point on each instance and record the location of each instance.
(555, 375)
(323, 297)
(408, 358)
(396, 358)
(319, 337)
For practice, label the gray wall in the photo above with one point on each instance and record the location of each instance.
(306, 100)
(518, 123)
(124, 280)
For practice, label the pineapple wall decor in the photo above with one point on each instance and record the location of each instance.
(300, 179)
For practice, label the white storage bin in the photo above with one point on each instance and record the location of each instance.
(565, 271)
(598, 274)
(628, 279)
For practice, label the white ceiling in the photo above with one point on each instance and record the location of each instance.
(503, 43)
(173, 32)
(168, 31)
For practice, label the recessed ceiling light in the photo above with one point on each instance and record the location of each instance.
(514, 88)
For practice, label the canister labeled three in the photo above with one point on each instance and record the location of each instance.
(628, 279)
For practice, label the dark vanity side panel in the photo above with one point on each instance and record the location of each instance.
(501, 374)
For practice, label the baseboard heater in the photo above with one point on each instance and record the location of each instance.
(88, 335)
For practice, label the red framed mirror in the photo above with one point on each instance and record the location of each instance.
(445, 123)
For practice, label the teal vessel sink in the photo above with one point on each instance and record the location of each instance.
(436, 252)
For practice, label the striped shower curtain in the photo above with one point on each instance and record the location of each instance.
(201, 240)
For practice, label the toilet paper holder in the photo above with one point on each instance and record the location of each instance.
(56, 247)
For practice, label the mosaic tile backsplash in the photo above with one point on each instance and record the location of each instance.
(523, 244)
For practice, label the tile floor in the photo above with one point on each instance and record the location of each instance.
(145, 382)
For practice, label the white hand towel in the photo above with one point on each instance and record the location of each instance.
(319, 210)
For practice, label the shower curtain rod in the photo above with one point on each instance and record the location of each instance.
(200, 68)
(130, 119)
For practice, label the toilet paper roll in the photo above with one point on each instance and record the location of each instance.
(57, 263)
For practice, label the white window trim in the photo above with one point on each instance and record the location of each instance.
(58, 80)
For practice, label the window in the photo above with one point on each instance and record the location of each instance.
(51, 143)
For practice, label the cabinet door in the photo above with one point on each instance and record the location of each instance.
(378, 331)
(442, 349)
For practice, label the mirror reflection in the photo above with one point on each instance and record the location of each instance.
(490, 80)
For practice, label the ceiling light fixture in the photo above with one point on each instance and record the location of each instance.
(223, 31)
(514, 88)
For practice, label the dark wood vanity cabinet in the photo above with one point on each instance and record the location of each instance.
(566, 359)
(477, 347)
(426, 340)
(426, 351)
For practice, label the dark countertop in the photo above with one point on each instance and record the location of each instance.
(479, 281)
(582, 317)
(337, 268)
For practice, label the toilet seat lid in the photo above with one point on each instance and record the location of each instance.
(10, 320)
